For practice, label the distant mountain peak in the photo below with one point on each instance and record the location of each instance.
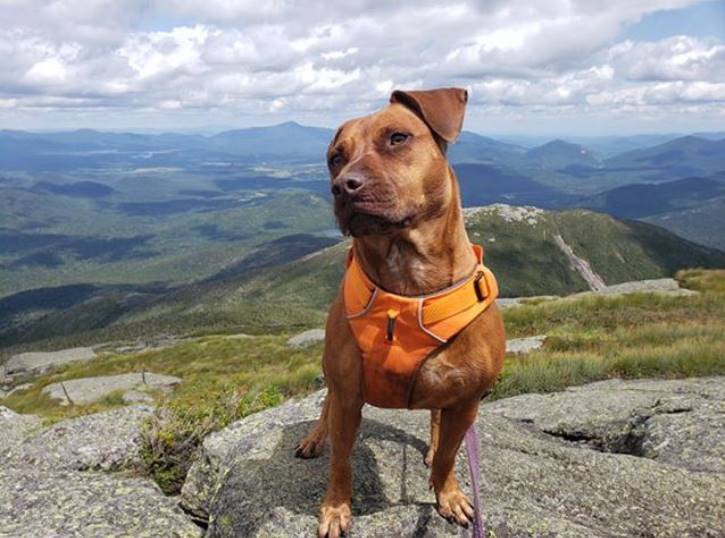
(687, 155)
(560, 153)
(692, 137)
(558, 143)
(290, 123)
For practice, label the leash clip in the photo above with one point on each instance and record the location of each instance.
(480, 295)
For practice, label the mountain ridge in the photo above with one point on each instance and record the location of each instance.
(520, 242)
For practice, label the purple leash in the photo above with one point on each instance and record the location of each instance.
(475, 472)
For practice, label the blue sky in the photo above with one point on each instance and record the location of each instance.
(549, 67)
(703, 20)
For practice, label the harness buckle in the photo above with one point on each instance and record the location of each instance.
(480, 295)
(392, 318)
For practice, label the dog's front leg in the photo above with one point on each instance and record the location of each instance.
(344, 414)
(435, 426)
(452, 503)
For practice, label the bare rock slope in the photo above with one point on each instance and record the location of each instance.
(616, 458)
(51, 484)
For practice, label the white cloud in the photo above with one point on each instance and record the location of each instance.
(286, 59)
(676, 58)
(661, 93)
(159, 54)
(47, 71)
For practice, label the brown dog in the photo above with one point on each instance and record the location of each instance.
(396, 194)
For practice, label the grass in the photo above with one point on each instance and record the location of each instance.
(589, 338)
(705, 280)
(225, 379)
(665, 350)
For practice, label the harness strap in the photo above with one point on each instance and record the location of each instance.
(439, 306)
(475, 290)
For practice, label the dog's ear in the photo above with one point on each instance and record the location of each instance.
(442, 110)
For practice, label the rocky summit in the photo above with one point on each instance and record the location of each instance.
(57, 481)
(615, 458)
(609, 459)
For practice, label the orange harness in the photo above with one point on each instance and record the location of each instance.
(396, 334)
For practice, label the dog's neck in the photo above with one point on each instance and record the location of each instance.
(428, 258)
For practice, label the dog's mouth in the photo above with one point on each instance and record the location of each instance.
(359, 219)
(360, 224)
(365, 214)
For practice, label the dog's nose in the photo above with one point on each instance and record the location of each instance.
(348, 184)
(352, 184)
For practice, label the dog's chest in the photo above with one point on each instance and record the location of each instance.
(401, 267)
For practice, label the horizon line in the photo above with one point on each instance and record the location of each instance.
(213, 131)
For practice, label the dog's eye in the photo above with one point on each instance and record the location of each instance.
(335, 160)
(398, 138)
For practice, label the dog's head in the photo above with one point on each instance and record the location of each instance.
(389, 170)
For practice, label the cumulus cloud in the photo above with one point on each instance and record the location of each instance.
(285, 59)
(675, 58)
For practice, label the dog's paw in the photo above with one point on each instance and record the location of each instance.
(310, 447)
(455, 507)
(335, 521)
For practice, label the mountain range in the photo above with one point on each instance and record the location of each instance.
(646, 199)
(292, 142)
(105, 233)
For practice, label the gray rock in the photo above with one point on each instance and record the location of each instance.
(40, 502)
(204, 473)
(35, 363)
(43, 491)
(678, 422)
(664, 286)
(509, 213)
(307, 338)
(519, 346)
(103, 441)
(533, 483)
(580, 265)
(91, 389)
(136, 396)
(653, 285)
(14, 428)
(507, 302)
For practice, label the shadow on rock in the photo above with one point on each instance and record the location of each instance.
(260, 496)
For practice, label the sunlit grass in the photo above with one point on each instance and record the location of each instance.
(547, 371)
(709, 280)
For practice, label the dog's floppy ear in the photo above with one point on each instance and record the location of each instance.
(442, 109)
